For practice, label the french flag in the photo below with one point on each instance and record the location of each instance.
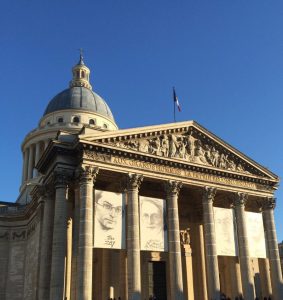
(175, 98)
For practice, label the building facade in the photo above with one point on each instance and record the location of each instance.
(167, 212)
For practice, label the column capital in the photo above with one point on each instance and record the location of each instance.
(240, 199)
(134, 181)
(269, 203)
(61, 178)
(42, 191)
(87, 173)
(173, 187)
(209, 193)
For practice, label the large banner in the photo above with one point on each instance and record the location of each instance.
(255, 231)
(153, 226)
(109, 220)
(225, 230)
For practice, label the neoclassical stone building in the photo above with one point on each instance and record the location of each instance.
(168, 211)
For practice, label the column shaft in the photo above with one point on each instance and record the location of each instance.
(37, 156)
(25, 165)
(244, 254)
(69, 251)
(46, 142)
(75, 248)
(57, 282)
(85, 253)
(235, 272)
(210, 244)
(175, 260)
(133, 238)
(30, 161)
(264, 272)
(46, 244)
(273, 252)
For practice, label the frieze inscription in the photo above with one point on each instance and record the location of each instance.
(182, 173)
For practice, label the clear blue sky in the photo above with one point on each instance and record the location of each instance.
(225, 59)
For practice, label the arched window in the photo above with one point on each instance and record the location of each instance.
(91, 122)
(60, 120)
(76, 119)
(78, 74)
(83, 74)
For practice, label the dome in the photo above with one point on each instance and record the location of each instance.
(79, 98)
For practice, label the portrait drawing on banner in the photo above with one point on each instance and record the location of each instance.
(109, 220)
(153, 225)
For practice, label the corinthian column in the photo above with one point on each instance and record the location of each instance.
(210, 244)
(244, 254)
(133, 237)
(45, 244)
(30, 161)
(59, 238)
(272, 246)
(175, 260)
(37, 156)
(84, 271)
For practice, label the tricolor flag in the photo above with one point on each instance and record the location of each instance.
(176, 101)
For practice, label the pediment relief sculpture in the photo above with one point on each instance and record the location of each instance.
(190, 146)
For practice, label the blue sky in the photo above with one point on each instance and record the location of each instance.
(225, 59)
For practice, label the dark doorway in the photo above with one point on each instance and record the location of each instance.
(157, 280)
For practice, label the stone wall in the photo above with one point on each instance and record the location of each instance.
(19, 258)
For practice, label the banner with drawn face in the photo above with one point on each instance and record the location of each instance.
(153, 227)
(109, 220)
(225, 231)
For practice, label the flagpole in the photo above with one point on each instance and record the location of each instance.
(174, 104)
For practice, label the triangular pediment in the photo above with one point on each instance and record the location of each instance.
(184, 141)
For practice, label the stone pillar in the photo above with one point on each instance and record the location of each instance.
(244, 254)
(174, 249)
(75, 248)
(69, 250)
(45, 246)
(25, 165)
(202, 286)
(85, 254)
(185, 240)
(37, 157)
(57, 281)
(210, 244)
(46, 142)
(30, 161)
(235, 275)
(133, 237)
(272, 246)
(264, 273)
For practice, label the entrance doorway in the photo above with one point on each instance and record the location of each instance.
(157, 280)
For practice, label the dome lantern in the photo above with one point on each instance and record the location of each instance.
(80, 75)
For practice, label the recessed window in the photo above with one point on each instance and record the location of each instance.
(60, 120)
(78, 74)
(76, 119)
(83, 74)
(105, 125)
(91, 122)
(48, 123)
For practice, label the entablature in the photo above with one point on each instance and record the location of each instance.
(111, 158)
